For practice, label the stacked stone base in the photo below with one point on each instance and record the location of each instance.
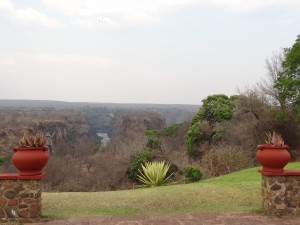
(281, 193)
(20, 200)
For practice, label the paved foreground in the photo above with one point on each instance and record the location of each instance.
(186, 219)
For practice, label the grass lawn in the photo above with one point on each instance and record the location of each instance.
(236, 192)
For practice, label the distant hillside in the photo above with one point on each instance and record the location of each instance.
(173, 113)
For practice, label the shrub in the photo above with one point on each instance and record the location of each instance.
(154, 174)
(172, 169)
(150, 132)
(224, 159)
(217, 135)
(170, 130)
(193, 135)
(96, 148)
(192, 174)
(153, 143)
(136, 161)
(2, 160)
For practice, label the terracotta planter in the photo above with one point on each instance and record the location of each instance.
(273, 158)
(30, 161)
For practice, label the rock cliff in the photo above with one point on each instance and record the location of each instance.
(63, 128)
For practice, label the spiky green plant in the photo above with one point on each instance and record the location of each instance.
(154, 174)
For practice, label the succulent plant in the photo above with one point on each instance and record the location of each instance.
(274, 139)
(30, 140)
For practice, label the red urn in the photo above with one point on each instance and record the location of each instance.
(30, 161)
(273, 158)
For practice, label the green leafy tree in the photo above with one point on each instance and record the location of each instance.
(136, 161)
(193, 135)
(288, 82)
(215, 109)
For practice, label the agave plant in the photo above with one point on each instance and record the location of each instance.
(29, 140)
(154, 174)
(274, 139)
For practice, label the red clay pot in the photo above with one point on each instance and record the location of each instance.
(273, 158)
(30, 161)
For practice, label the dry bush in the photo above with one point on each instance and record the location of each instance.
(82, 170)
(174, 147)
(224, 159)
(109, 172)
(251, 120)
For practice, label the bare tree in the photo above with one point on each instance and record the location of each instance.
(266, 85)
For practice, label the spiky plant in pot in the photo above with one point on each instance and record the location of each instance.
(273, 155)
(30, 156)
(274, 139)
(29, 140)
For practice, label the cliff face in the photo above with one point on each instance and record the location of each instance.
(137, 121)
(66, 129)
(61, 127)
(75, 158)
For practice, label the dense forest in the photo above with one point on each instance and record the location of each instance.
(217, 138)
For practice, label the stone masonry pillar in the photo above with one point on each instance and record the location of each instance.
(20, 198)
(281, 192)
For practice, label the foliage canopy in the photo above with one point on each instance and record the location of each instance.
(215, 109)
(288, 82)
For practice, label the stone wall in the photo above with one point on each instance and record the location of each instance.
(281, 194)
(20, 200)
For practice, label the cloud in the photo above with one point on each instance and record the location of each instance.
(7, 61)
(67, 60)
(6, 5)
(114, 13)
(286, 21)
(26, 16)
(246, 6)
(31, 16)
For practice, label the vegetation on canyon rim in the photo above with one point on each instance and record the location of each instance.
(225, 131)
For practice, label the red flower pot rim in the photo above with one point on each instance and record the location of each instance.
(262, 147)
(45, 148)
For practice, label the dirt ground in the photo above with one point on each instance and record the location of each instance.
(185, 219)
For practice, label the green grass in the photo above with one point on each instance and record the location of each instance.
(236, 192)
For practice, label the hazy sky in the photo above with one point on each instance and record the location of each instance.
(139, 51)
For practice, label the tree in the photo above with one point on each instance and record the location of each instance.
(204, 126)
(288, 82)
(215, 108)
(270, 94)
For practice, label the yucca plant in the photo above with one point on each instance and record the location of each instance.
(154, 174)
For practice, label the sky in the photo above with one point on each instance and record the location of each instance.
(139, 51)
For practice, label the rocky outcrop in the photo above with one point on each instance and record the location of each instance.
(67, 129)
(70, 129)
(136, 121)
(63, 128)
